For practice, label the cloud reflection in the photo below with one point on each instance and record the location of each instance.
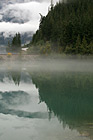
(14, 99)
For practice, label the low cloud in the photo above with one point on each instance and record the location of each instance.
(22, 17)
(11, 28)
(23, 12)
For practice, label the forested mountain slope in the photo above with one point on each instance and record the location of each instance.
(68, 27)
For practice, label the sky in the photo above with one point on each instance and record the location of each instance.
(21, 15)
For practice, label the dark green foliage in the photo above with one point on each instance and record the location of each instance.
(78, 45)
(68, 95)
(46, 48)
(16, 42)
(68, 24)
(15, 45)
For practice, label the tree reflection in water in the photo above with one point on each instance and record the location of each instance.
(69, 96)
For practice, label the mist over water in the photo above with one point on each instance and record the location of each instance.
(55, 63)
(46, 98)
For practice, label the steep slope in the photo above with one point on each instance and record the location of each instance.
(68, 26)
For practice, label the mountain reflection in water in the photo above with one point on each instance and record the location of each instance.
(68, 95)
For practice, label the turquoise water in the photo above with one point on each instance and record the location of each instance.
(38, 102)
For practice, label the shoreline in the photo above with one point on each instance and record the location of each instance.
(13, 57)
(32, 57)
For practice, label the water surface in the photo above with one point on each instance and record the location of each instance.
(46, 100)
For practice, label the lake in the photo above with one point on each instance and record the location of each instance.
(46, 100)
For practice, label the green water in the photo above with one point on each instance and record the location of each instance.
(46, 104)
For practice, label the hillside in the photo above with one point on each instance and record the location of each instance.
(67, 28)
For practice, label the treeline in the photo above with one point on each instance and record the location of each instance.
(68, 28)
(15, 44)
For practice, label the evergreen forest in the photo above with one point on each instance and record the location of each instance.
(15, 44)
(67, 28)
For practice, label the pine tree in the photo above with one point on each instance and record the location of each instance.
(84, 46)
(66, 24)
(78, 44)
(16, 43)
